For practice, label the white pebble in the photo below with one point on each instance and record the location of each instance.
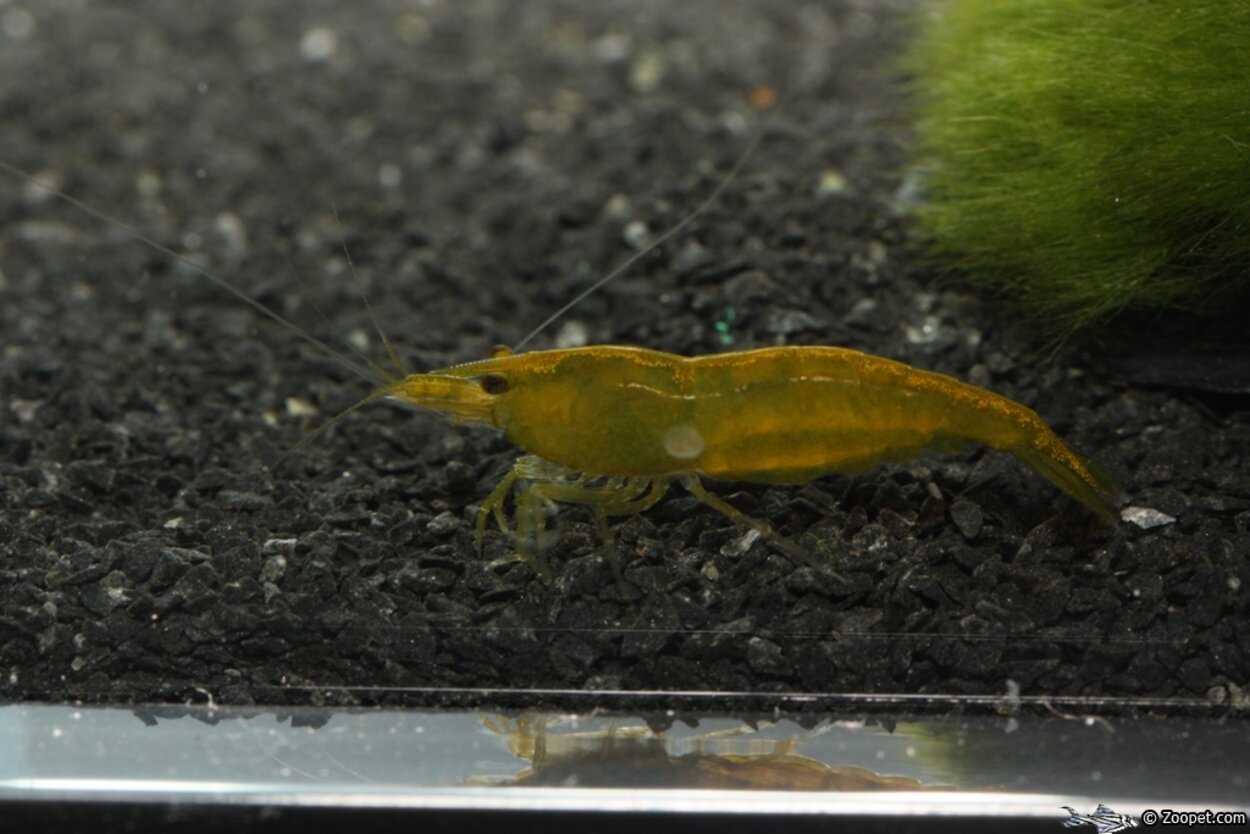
(17, 23)
(318, 44)
(1146, 518)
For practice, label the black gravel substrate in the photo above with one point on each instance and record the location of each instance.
(485, 161)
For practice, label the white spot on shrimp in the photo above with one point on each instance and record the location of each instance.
(683, 442)
(318, 44)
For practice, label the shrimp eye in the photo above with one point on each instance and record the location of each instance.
(493, 383)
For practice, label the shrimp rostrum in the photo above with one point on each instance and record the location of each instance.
(611, 427)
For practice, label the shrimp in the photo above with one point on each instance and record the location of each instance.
(611, 427)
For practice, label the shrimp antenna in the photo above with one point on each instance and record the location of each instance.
(307, 439)
(364, 296)
(383, 376)
(707, 203)
(338, 356)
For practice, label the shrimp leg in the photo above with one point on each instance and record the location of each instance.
(545, 484)
(796, 553)
(618, 496)
(493, 505)
(696, 488)
(658, 489)
(526, 468)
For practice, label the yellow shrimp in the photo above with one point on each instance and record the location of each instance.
(611, 427)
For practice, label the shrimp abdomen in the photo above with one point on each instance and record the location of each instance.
(788, 415)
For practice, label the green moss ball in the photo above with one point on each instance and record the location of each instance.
(1086, 156)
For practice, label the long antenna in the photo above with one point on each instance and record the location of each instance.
(707, 203)
(340, 357)
(364, 296)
